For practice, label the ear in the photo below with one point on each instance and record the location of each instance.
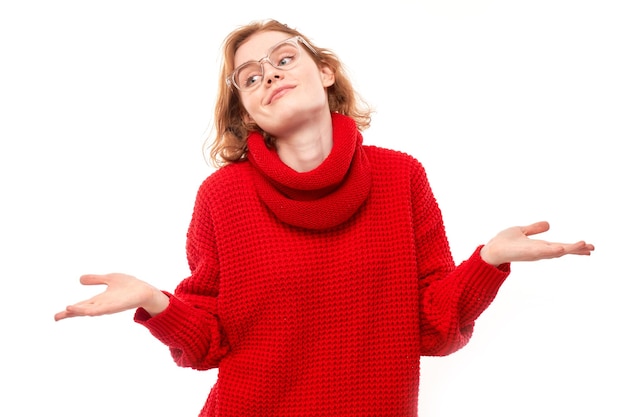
(327, 75)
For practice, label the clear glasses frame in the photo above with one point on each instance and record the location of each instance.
(232, 79)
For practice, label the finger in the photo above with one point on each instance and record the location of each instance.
(73, 310)
(61, 315)
(536, 228)
(556, 250)
(93, 279)
(579, 248)
(64, 315)
(551, 250)
(87, 309)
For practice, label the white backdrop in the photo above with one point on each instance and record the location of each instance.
(516, 108)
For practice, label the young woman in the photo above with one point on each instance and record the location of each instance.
(320, 267)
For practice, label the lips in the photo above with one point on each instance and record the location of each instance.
(278, 93)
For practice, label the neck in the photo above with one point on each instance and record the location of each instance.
(307, 148)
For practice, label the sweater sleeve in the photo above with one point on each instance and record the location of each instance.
(451, 297)
(190, 325)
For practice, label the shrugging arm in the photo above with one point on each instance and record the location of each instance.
(451, 297)
(190, 325)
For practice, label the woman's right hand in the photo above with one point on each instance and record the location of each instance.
(124, 292)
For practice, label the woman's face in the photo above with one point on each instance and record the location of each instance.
(284, 100)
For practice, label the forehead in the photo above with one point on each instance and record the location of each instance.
(257, 45)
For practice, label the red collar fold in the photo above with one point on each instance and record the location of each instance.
(319, 199)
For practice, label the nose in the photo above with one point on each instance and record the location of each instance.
(272, 78)
(271, 74)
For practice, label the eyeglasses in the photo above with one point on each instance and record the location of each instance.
(283, 56)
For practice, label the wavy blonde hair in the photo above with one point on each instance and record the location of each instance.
(230, 127)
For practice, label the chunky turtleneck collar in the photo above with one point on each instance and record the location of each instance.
(319, 199)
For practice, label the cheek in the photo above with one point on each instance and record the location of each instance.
(248, 107)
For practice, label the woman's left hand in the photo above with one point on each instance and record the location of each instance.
(513, 245)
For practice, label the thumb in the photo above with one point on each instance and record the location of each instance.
(535, 228)
(93, 279)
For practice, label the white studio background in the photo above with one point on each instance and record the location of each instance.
(516, 109)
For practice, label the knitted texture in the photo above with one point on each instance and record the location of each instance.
(316, 293)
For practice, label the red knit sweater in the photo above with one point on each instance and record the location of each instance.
(316, 293)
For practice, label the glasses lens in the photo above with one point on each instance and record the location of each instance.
(285, 55)
(248, 76)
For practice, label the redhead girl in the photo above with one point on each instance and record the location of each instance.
(320, 270)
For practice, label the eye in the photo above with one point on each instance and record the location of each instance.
(249, 74)
(285, 60)
(251, 80)
(285, 55)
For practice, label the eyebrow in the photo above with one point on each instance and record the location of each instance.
(264, 56)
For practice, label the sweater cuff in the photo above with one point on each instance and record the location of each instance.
(486, 278)
(167, 323)
(505, 267)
